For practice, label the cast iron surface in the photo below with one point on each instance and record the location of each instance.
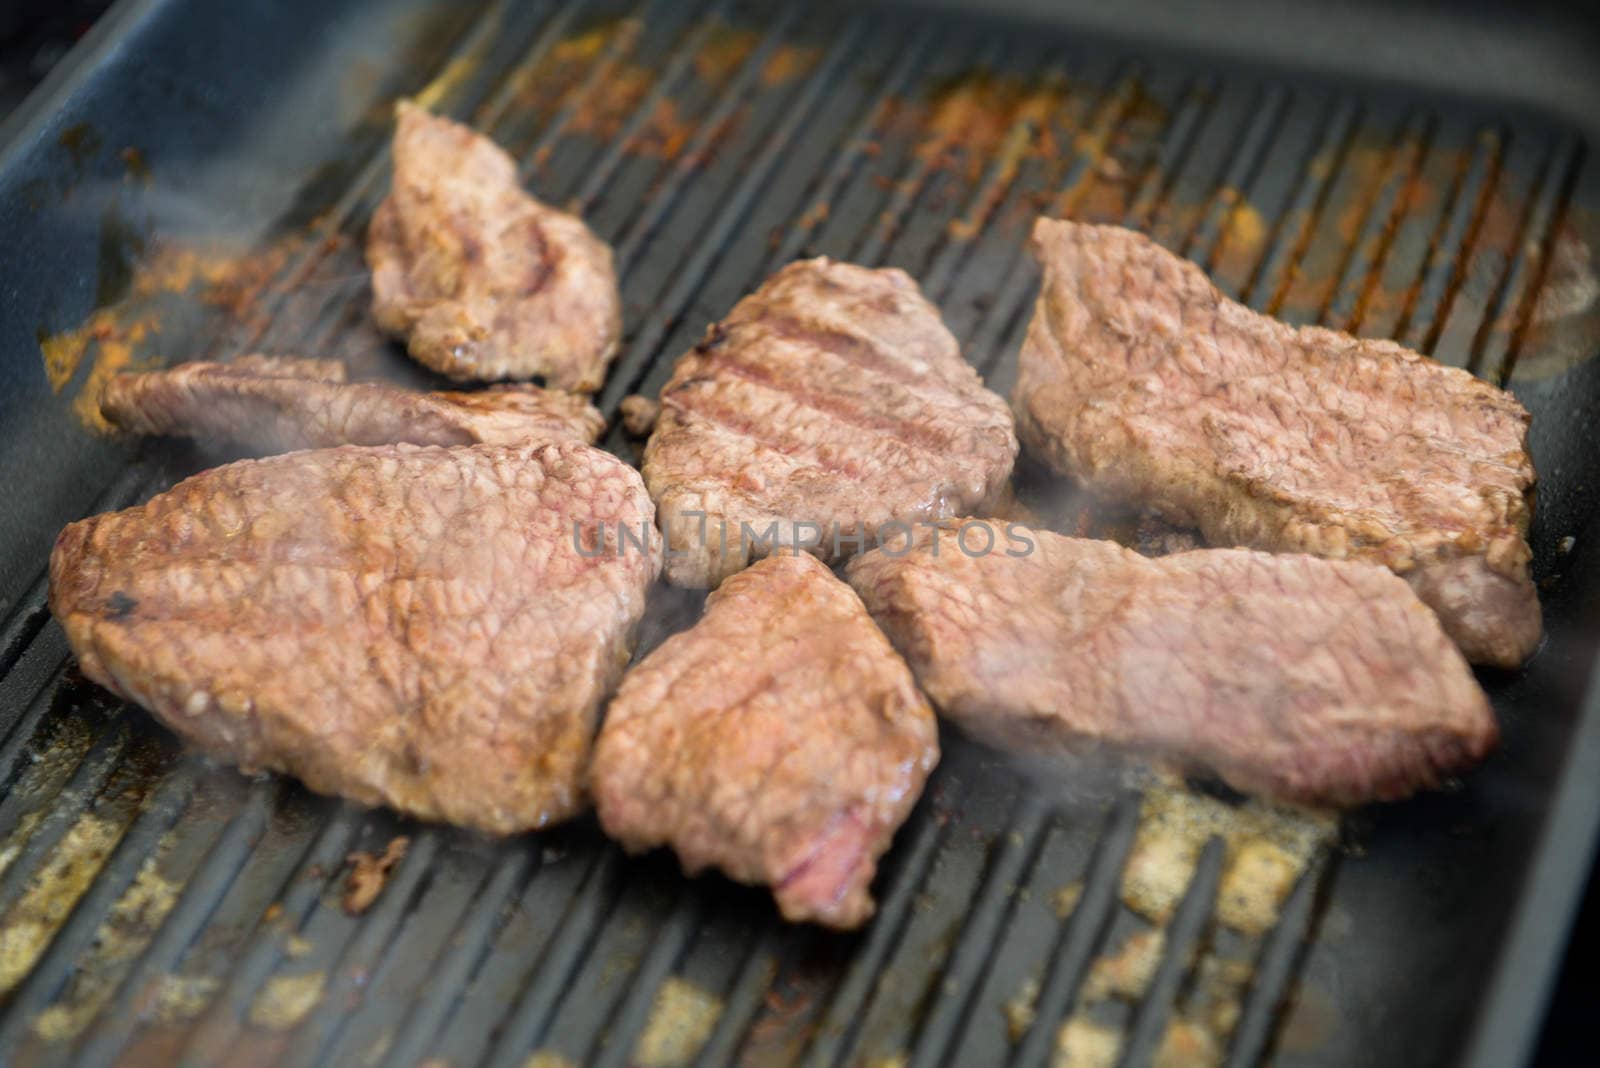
(202, 174)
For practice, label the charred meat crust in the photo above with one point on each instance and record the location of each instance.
(833, 395)
(779, 739)
(1313, 680)
(280, 404)
(397, 625)
(1143, 381)
(482, 280)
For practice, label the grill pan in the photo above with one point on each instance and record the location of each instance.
(194, 181)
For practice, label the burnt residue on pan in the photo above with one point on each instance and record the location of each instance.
(153, 907)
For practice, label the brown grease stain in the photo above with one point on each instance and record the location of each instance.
(970, 120)
(624, 83)
(135, 282)
(81, 141)
(1564, 328)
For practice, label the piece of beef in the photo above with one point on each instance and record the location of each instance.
(398, 625)
(279, 404)
(780, 739)
(1314, 680)
(1141, 379)
(482, 280)
(638, 414)
(832, 396)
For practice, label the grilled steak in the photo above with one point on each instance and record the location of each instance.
(1313, 680)
(830, 402)
(399, 625)
(279, 404)
(780, 739)
(481, 279)
(1143, 381)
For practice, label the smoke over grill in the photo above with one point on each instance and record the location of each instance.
(153, 906)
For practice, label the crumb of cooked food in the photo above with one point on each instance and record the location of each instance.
(1187, 1045)
(176, 998)
(286, 1000)
(1065, 900)
(1219, 986)
(545, 1058)
(681, 1021)
(1020, 1010)
(1083, 1043)
(639, 414)
(128, 927)
(368, 874)
(1255, 884)
(65, 1021)
(1127, 973)
(1268, 846)
(51, 895)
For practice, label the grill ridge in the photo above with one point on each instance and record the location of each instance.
(1451, 241)
(471, 940)
(363, 952)
(1534, 257)
(137, 842)
(1343, 123)
(1114, 106)
(1178, 952)
(1346, 302)
(203, 892)
(525, 1024)
(297, 897)
(643, 345)
(619, 1031)
(1514, 264)
(533, 157)
(1278, 964)
(917, 854)
(982, 932)
(1397, 194)
(665, 194)
(750, 984)
(670, 78)
(1245, 163)
(1247, 159)
(92, 773)
(1082, 934)
(492, 109)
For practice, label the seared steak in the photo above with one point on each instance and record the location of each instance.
(1143, 381)
(780, 739)
(1312, 680)
(828, 403)
(407, 626)
(481, 279)
(278, 404)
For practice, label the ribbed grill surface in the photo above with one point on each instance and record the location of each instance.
(154, 908)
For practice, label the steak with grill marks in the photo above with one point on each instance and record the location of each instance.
(832, 396)
(400, 625)
(1142, 380)
(271, 404)
(780, 739)
(1317, 681)
(482, 280)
